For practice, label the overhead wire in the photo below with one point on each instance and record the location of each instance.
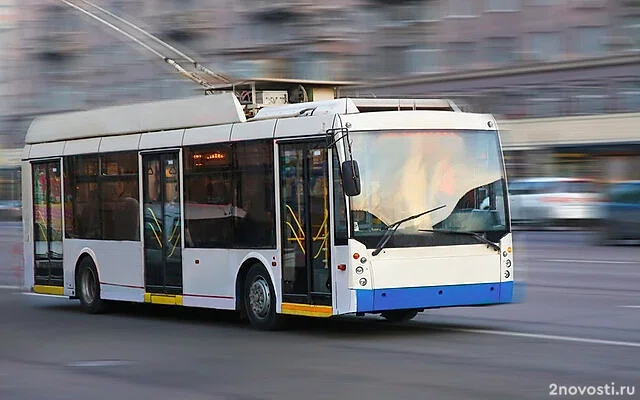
(169, 60)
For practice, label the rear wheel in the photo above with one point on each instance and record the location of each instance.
(604, 236)
(399, 315)
(260, 300)
(88, 287)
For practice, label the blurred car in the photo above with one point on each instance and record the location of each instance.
(10, 210)
(621, 212)
(555, 201)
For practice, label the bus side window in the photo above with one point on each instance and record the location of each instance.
(253, 178)
(208, 196)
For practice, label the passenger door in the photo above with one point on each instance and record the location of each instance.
(162, 223)
(305, 227)
(47, 226)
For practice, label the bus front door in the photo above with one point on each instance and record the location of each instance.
(162, 225)
(47, 227)
(305, 228)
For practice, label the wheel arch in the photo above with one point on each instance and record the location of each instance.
(249, 261)
(84, 254)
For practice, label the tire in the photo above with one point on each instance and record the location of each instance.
(398, 316)
(88, 288)
(260, 300)
(602, 236)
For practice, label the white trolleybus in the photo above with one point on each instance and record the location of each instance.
(343, 206)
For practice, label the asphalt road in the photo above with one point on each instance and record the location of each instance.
(578, 327)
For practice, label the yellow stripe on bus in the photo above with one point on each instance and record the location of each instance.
(43, 289)
(165, 299)
(307, 310)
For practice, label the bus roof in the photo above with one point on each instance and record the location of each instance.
(216, 109)
(353, 106)
(201, 111)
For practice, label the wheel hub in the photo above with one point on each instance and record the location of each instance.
(260, 298)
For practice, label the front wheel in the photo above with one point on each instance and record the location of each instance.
(399, 315)
(88, 287)
(260, 300)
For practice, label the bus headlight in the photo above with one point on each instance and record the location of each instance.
(359, 270)
(507, 263)
(363, 281)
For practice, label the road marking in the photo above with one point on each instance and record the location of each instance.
(10, 287)
(629, 306)
(99, 363)
(552, 337)
(592, 261)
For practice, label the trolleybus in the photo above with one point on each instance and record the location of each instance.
(343, 206)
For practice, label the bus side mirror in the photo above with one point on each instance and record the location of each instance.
(351, 178)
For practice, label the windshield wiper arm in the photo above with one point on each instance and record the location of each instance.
(391, 229)
(481, 238)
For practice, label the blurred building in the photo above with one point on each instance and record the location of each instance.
(567, 70)
(10, 184)
(514, 58)
(8, 22)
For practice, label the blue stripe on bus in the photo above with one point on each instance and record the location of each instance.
(506, 292)
(434, 296)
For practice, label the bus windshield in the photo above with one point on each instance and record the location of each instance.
(405, 173)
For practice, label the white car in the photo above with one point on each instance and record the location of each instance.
(555, 201)
(10, 210)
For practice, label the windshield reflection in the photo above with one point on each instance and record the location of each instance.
(405, 173)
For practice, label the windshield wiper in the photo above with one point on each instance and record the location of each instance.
(391, 229)
(481, 238)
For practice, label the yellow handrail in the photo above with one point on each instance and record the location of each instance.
(155, 234)
(44, 222)
(296, 238)
(155, 218)
(295, 218)
(175, 243)
(322, 227)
